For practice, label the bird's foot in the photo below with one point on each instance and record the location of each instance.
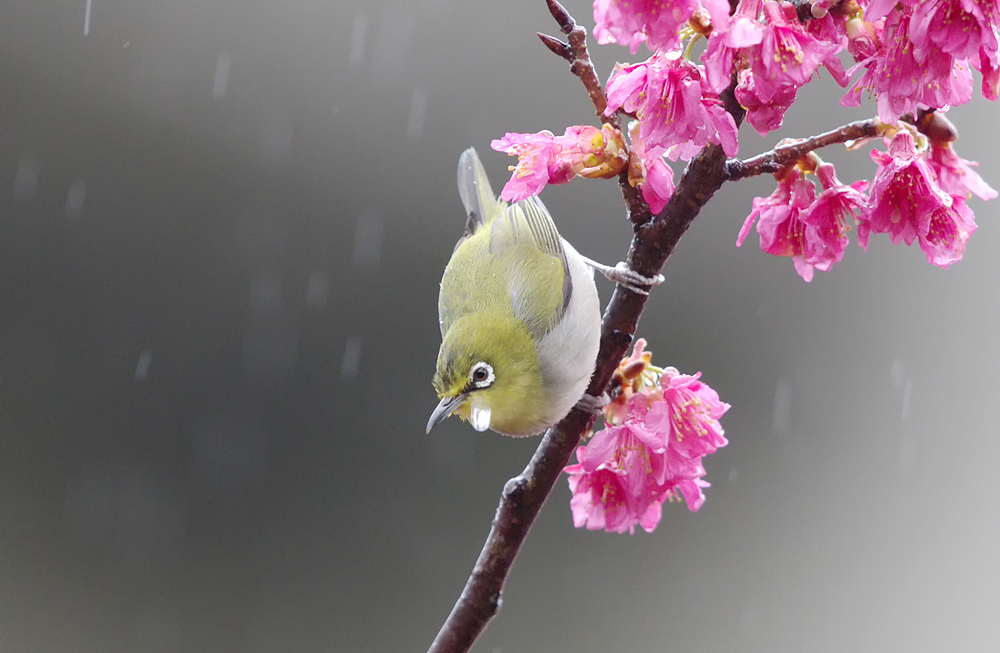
(594, 405)
(623, 275)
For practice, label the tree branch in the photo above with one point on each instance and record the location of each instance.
(785, 155)
(654, 239)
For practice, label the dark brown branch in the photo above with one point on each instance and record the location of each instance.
(520, 503)
(785, 155)
(655, 238)
(524, 495)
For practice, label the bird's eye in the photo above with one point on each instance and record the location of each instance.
(481, 375)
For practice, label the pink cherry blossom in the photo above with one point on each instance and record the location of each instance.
(664, 423)
(901, 83)
(990, 68)
(655, 22)
(531, 174)
(954, 174)
(788, 56)
(903, 196)
(826, 218)
(615, 484)
(875, 9)
(676, 108)
(863, 38)
(957, 27)
(829, 28)
(743, 31)
(781, 228)
(690, 413)
(948, 231)
(547, 159)
(763, 116)
(652, 174)
(794, 222)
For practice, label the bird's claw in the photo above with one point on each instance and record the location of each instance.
(623, 275)
(594, 405)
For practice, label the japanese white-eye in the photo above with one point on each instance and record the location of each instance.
(519, 313)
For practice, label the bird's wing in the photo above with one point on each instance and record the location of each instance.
(539, 283)
(481, 205)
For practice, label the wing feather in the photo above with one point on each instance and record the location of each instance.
(481, 205)
(518, 264)
(540, 284)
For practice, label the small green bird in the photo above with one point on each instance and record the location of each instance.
(519, 313)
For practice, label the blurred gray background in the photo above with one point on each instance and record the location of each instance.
(222, 226)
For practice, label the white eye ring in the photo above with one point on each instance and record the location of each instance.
(481, 375)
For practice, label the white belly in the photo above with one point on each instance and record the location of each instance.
(568, 352)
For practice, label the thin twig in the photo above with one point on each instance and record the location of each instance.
(785, 155)
(575, 52)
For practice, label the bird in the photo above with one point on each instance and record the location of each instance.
(519, 315)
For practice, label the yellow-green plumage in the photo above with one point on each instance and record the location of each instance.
(519, 308)
(501, 269)
(515, 408)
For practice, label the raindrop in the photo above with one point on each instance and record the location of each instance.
(221, 83)
(26, 178)
(74, 199)
(86, 20)
(418, 114)
(782, 406)
(898, 373)
(359, 34)
(734, 473)
(352, 356)
(368, 239)
(142, 367)
(316, 289)
(907, 392)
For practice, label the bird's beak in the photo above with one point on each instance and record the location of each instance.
(445, 408)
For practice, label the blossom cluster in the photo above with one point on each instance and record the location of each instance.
(917, 195)
(659, 425)
(915, 58)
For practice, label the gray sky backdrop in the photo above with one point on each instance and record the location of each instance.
(222, 226)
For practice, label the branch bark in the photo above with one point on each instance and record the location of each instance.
(785, 155)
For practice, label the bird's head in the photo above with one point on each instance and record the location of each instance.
(489, 375)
